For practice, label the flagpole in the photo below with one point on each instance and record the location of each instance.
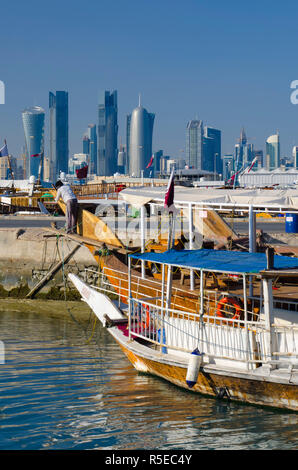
(9, 165)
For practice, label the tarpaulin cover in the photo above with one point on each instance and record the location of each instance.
(220, 261)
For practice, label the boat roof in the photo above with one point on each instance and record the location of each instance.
(234, 262)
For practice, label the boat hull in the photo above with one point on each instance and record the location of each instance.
(237, 386)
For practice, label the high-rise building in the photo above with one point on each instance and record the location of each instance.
(140, 140)
(260, 158)
(194, 144)
(33, 123)
(128, 120)
(107, 134)
(92, 135)
(79, 160)
(273, 152)
(86, 144)
(244, 152)
(227, 164)
(212, 150)
(121, 163)
(59, 150)
(295, 157)
(156, 162)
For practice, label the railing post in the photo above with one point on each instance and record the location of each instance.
(129, 298)
(190, 230)
(252, 240)
(143, 238)
(245, 319)
(268, 310)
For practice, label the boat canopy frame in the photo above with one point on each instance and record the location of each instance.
(221, 261)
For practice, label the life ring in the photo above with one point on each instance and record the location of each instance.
(231, 301)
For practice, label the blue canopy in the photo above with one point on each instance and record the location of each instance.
(219, 261)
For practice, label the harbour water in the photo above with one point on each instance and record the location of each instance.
(66, 385)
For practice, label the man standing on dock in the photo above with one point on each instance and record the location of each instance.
(69, 198)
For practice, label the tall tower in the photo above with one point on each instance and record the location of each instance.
(194, 144)
(272, 152)
(107, 134)
(212, 150)
(92, 134)
(140, 139)
(59, 151)
(244, 152)
(33, 123)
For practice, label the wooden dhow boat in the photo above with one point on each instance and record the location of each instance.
(239, 344)
(233, 337)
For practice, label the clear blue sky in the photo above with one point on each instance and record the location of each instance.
(229, 63)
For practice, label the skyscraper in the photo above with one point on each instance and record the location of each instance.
(272, 152)
(194, 144)
(58, 105)
(92, 135)
(86, 144)
(140, 139)
(244, 152)
(295, 157)
(107, 134)
(128, 120)
(212, 150)
(33, 123)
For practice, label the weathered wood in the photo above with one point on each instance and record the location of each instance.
(51, 273)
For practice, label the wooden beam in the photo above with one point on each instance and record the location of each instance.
(51, 273)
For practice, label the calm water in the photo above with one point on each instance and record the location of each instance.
(59, 391)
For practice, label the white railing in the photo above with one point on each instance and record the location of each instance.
(246, 342)
(184, 330)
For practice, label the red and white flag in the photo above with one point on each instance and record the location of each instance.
(169, 197)
(151, 162)
(36, 155)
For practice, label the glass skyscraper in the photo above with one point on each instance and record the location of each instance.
(107, 134)
(92, 135)
(295, 157)
(212, 150)
(59, 151)
(33, 123)
(140, 140)
(194, 144)
(128, 120)
(244, 152)
(272, 152)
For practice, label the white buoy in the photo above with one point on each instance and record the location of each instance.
(193, 368)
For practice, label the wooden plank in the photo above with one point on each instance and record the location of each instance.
(51, 273)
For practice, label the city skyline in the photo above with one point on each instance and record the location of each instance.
(233, 81)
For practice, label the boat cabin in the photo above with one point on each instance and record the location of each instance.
(243, 323)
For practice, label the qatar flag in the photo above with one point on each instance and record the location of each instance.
(169, 197)
(36, 155)
(151, 162)
(82, 172)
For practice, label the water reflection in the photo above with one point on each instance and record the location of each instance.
(60, 392)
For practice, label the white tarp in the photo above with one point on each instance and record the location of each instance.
(271, 198)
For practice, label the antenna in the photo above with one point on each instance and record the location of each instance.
(139, 99)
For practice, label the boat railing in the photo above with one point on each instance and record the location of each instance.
(220, 339)
(115, 282)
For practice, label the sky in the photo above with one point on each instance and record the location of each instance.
(228, 63)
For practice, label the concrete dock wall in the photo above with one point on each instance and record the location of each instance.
(26, 255)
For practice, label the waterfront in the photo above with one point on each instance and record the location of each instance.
(65, 384)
